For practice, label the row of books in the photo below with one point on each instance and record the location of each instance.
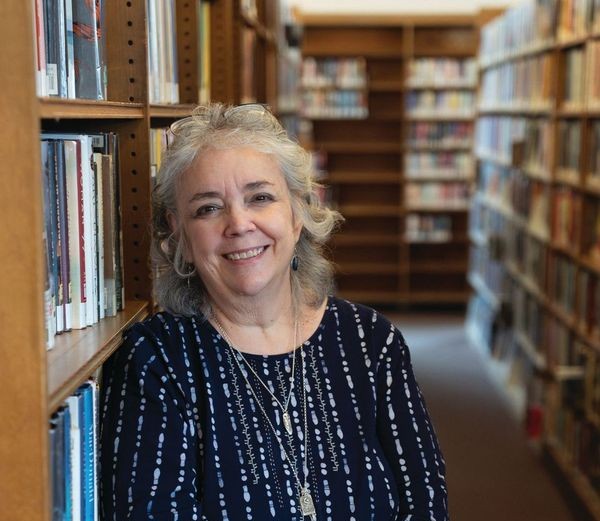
(484, 262)
(82, 232)
(436, 195)
(440, 103)
(334, 104)
(341, 73)
(442, 164)
(577, 18)
(443, 72)
(428, 228)
(163, 79)
(159, 138)
(440, 134)
(495, 135)
(290, 63)
(524, 26)
(572, 433)
(574, 76)
(70, 47)
(525, 83)
(73, 435)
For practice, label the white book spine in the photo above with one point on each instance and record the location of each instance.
(88, 238)
(75, 448)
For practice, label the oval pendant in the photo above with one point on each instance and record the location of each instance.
(287, 422)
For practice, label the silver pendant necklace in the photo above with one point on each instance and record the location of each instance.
(287, 422)
(307, 505)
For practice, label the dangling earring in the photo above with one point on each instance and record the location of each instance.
(294, 262)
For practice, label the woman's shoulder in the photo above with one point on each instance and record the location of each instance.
(361, 314)
(161, 334)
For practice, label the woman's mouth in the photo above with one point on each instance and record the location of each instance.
(246, 254)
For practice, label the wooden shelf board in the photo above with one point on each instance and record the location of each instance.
(79, 353)
(361, 148)
(440, 117)
(369, 268)
(571, 41)
(578, 481)
(361, 239)
(171, 111)
(364, 178)
(530, 50)
(368, 20)
(437, 209)
(439, 297)
(439, 178)
(522, 110)
(437, 86)
(456, 268)
(366, 210)
(57, 108)
(374, 297)
(467, 147)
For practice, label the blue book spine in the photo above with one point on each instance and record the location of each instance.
(67, 464)
(87, 447)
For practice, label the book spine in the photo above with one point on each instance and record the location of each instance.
(47, 197)
(75, 449)
(40, 47)
(63, 234)
(73, 156)
(70, 57)
(85, 43)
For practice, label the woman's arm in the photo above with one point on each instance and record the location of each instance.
(149, 445)
(407, 435)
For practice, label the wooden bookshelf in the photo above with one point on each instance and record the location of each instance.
(534, 228)
(367, 155)
(33, 381)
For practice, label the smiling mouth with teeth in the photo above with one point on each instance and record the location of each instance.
(248, 254)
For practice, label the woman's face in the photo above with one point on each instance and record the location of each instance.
(235, 209)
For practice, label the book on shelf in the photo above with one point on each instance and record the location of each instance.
(591, 230)
(56, 48)
(593, 173)
(588, 302)
(574, 84)
(248, 92)
(592, 74)
(595, 16)
(447, 164)
(562, 282)
(442, 195)
(203, 20)
(81, 206)
(89, 48)
(428, 228)
(442, 72)
(341, 73)
(566, 208)
(573, 18)
(439, 104)
(74, 454)
(524, 84)
(163, 82)
(569, 147)
(440, 134)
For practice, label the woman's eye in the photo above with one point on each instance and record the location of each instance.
(261, 198)
(206, 210)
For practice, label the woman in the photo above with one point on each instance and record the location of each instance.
(255, 395)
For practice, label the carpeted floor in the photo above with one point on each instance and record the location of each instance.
(492, 474)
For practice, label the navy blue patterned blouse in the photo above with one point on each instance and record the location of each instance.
(183, 438)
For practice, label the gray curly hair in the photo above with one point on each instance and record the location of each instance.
(177, 287)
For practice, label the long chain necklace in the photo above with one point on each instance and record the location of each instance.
(287, 422)
(307, 505)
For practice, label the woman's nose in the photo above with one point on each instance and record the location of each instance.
(239, 221)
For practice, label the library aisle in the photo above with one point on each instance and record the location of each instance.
(492, 474)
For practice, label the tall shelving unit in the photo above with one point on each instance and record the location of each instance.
(534, 227)
(366, 155)
(33, 381)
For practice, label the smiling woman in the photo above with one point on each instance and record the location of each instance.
(255, 394)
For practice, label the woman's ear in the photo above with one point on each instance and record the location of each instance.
(173, 221)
